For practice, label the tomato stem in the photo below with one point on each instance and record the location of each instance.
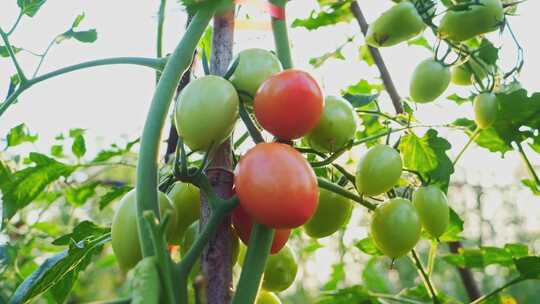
(425, 277)
(250, 125)
(498, 290)
(9, 48)
(159, 39)
(260, 242)
(178, 62)
(323, 183)
(528, 163)
(469, 142)
(281, 37)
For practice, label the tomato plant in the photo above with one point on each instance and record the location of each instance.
(186, 201)
(289, 104)
(206, 112)
(429, 80)
(336, 126)
(400, 23)
(124, 233)
(276, 186)
(432, 207)
(333, 212)
(485, 109)
(280, 270)
(395, 227)
(465, 73)
(254, 67)
(378, 170)
(146, 285)
(266, 297)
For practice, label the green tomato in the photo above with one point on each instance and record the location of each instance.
(430, 79)
(378, 171)
(485, 110)
(432, 207)
(125, 236)
(186, 201)
(333, 212)
(460, 25)
(395, 227)
(336, 126)
(266, 297)
(463, 74)
(254, 67)
(145, 285)
(206, 112)
(400, 23)
(280, 270)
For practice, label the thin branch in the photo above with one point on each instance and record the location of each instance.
(323, 183)
(42, 59)
(528, 163)
(377, 58)
(469, 142)
(497, 291)
(9, 48)
(425, 277)
(14, 26)
(159, 39)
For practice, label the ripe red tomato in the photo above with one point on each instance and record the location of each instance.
(242, 224)
(289, 104)
(276, 186)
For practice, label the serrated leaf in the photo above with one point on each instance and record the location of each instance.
(57, 269)
(30, 7)
(83, 230)
(367, 246)
(114, 151)
(488, 52)
(20, 134)
(333, 13)
(112, 195)
(22, 187)
(487, 255)
(336, 277)
(79, 195)
(79, 146)
(532, 185)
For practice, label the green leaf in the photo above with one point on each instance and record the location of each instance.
(454, 230)
(420, 41)
(458, 99)
(57, 150)
(22, 187)
(355, 294)
(8, 253)
(488, 52)
(360, 100)
(114, 151)
(367, 246)
(30, 7)
(337, 276)
(19, 135)
(78, 196)
(528, 267)
(59, 271)
(112, 195)
(375, 276)
(318, 61)
(333, 13)
(531, 184)
(5, 53)
(487, 255)
(365, 55)
(77, 20)
(79, 146)
(83, 230)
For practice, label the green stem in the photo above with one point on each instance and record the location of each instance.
(431, 257)
(394, 298)
(469, 142)
(148, 62)
(14, 26)
(281, 37)
(323, 183)
(528, 163)
(425, 277)
(498, 290)
(42, 59)
(250, 125)
(7, 45)
(257, 253)
(159, 40)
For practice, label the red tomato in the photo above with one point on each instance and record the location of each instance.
(289, 104)
(276, 186)
(243, 223)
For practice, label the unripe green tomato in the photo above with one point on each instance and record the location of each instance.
(395, 227)
(462, 75)
(432, 207)
(336, 126)
(429, 80)
(460, 25)
(333, 212)
(145, 285)
(186, 201)
(254, 67)
(266, 297)
(280, 270)
(485, 110)
(378, 171)
(400, 23)
(125, 236)
(206, 112)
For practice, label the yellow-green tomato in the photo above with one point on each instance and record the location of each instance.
(430, 79)
(206, 112)
(400, 23)
(186, 201)
(333, 212)
(464, 73)
(395, 227)
(280, 270)
(336, 126)
(432, 207)
(254, 67)
(485, 110)
(484, 17)
(378, 171)
(266, 297)
(125, 236)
